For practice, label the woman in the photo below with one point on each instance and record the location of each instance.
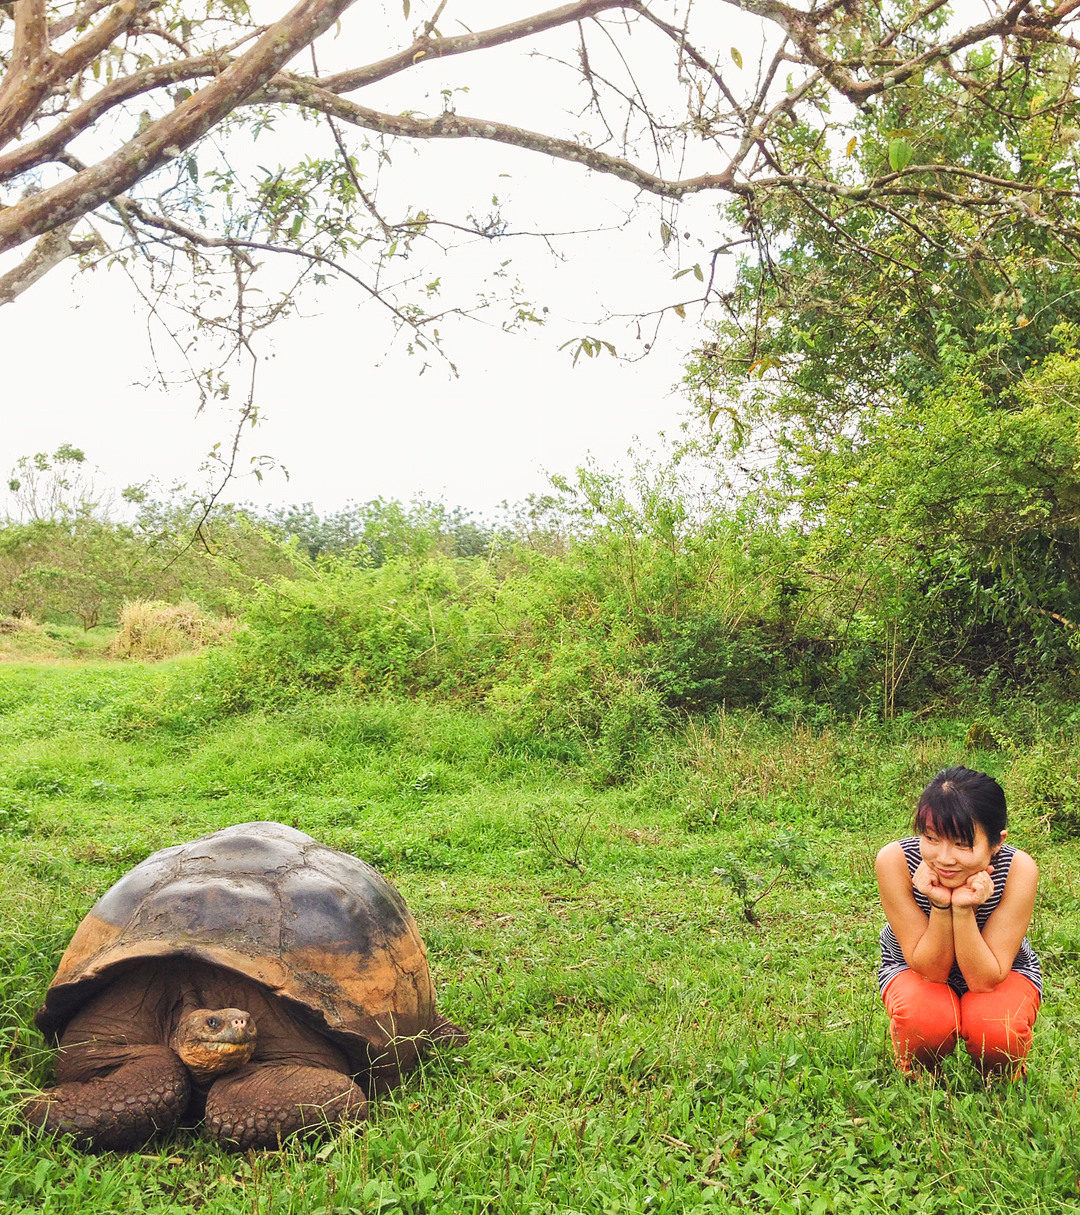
(955, 961)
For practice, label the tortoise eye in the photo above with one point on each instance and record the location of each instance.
(212, 1022)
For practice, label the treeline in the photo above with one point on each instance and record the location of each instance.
(598, 613)
(68, 560)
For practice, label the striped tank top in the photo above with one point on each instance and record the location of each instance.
(892, 956)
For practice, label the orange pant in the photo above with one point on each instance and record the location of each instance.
(926, 1019)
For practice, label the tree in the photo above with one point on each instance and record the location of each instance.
(905, 360)
(912, 373)
(851, 304)
(372, 532)
(118, 124)
(51, 487)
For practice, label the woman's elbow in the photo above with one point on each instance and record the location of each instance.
(934, 974)
(986, 983)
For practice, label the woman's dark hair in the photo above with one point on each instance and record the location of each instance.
(958, 798)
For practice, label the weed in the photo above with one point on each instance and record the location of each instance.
(789, 852)
(153, 630)
(559, 842)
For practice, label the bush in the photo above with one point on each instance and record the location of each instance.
(152, 630)
(409, 626)
(646, 606)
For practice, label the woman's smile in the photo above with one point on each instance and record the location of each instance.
(953, 861)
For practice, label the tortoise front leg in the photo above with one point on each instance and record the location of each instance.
(263, 1103)
(112, 1098)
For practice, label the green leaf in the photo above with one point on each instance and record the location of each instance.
(697, 273)
(665, 233)
(762, 365)
(405, 7)
(680, 312)
(736, 57)
(900, 154)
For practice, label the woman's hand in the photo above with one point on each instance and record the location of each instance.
(925, 881)
(975, 891)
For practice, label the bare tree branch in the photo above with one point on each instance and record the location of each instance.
(455, 126)
(427, 48)
(49, 251)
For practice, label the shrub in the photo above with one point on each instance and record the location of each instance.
(152, 630)
(18, 624)
(409, 626)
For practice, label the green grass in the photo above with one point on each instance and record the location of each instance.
(45, 643)
(637, 1045)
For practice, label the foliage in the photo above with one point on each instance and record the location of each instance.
(946, 535)
(933, 558)
(68, 566)
(373, 531)
(592, 616)
(644, 600)
(69, 558)
(858, 301)
(408, 625)
(129, 138)
(23, 640)
(790, 852)
(900, 373)
(86, 566)
(45, 487)
(640, 607)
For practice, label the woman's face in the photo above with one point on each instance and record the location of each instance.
(954, 862)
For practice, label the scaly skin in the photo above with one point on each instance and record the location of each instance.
(262, 1104)
(121, 1077)
(119, 1082)
(145, 1095)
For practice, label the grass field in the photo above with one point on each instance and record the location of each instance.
(638, 1045)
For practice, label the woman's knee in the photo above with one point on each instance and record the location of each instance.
(996, 1025)
(924, 1017)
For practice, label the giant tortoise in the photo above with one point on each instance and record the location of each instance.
(253, 978)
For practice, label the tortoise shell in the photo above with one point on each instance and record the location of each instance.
(320, 929)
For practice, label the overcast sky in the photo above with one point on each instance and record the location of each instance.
(344, 408)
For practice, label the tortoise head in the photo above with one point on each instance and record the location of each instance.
(213, 1041)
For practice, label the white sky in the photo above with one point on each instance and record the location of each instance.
(343, 406)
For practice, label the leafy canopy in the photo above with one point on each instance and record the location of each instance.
(126, 134)
(900, 367)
